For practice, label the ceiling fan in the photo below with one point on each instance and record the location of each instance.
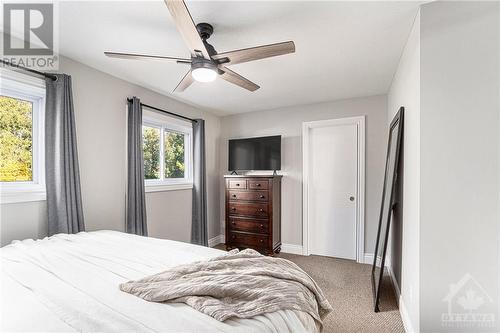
(206, 64)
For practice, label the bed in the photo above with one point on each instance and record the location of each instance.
(68, 283)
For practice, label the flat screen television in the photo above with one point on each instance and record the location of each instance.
(262, 153)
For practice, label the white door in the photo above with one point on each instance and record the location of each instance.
(332, 183)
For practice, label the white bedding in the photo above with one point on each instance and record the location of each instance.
(69, 283)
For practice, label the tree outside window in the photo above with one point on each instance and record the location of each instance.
(167, 151)
(16, 140)
(174, 155)
(151, 151)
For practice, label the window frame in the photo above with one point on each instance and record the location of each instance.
(31, 89)
(151, 118)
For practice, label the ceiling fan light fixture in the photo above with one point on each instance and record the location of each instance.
(203, 70)
(204, 74)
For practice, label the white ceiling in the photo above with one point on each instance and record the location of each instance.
(343, 49)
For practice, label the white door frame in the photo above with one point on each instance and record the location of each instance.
(360, 195)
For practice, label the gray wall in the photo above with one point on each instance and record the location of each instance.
(288, 123)
(100, 111)
(405, 91)
(22, 220)
(460, 148)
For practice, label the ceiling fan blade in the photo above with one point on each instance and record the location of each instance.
(187, 28)
(256, 53)
(133, 56)
(185, 82)
(237, 79)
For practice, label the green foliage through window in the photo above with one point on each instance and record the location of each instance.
(151, 151)
(173, 153)
(16, 139)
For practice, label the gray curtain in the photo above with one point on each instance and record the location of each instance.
(199, 233)
(62, 175)
(136, 202)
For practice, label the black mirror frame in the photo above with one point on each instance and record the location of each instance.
(397, 121)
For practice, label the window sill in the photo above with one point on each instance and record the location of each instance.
(168, 187)
(8, 197)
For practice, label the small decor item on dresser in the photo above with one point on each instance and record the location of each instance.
(253, 213)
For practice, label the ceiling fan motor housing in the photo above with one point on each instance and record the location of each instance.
(200, 62)
(205, 30)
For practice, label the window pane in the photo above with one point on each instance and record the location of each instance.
(174, 155)
(151, 151)
(16, 140)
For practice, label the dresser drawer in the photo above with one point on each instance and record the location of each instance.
(249, 195)
(248, 209)
(240, 183)
(248, 225)
(255, 184)
(248, 240)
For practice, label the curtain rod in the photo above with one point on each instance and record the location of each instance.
(165, 111)
(47, 75)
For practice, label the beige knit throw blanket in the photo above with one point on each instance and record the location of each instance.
(238, 284)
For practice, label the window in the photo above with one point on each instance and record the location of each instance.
(22, 104)
(167, 151)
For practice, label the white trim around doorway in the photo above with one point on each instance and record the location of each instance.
(360, 195)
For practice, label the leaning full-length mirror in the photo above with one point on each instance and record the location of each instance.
(392, 160)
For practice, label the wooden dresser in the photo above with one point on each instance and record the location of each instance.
(253, 213)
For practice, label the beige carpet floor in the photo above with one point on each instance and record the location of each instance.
(348, 288)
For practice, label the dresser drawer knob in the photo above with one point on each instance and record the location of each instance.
(261, 210)
(261, 226)
(258, 184)
(234, 195)
(237, 184)
(233, 223)
(233, 209)
(262, 197)
(262, 241)
(234, 237)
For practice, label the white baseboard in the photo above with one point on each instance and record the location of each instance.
(368, 259)
(216, 240)
(405, 317)
(394, 283)
(291, 248)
